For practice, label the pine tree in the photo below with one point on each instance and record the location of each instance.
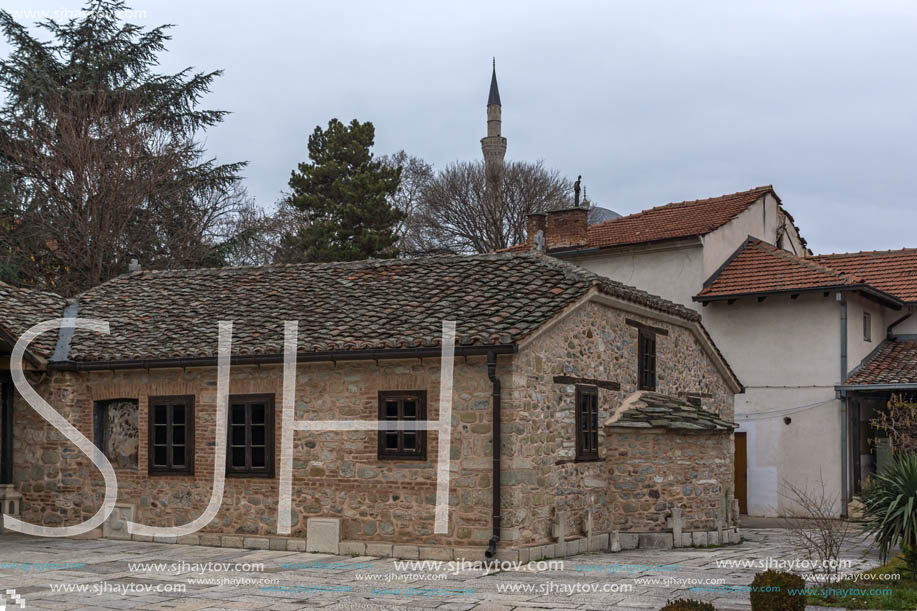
(344, 194)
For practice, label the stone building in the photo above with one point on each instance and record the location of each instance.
(612, 408)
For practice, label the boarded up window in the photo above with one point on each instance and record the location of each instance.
(116, 431)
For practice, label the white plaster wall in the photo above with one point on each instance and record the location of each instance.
(759, 220)
(672, 272)
(804, 453)
(787, 354)
(909, 326)
(780, 341)
(857, 346)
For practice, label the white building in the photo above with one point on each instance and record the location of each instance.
(817, 341)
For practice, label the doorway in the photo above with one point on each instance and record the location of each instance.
(741, 472)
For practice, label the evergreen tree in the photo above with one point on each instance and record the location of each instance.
(99, 161)
(344, 193)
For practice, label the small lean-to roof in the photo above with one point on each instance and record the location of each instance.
(893, 362)
(495, 299)
(759, 268)
(652, 410)
(21, 309)
(891, 271)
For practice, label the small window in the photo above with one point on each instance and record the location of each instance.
(250, 447)
(587, 423)
(646, 360)
(693, 400)
(402, 406)
(867, 326)
(171, 429)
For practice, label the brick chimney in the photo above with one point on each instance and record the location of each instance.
(534, 223)
(566, 228)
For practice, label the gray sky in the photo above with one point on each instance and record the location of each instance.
(651, 102)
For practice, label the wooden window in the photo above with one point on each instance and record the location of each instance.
(402, 406)
(646, 360)
(250, 446)
(587, 423)
(867, 326)
(171, 429)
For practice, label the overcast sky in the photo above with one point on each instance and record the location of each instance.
(650, 102)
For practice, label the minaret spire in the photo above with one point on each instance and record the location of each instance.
(494, 145)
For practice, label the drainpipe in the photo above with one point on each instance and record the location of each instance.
(843, 397)
(495, 440)
(6, 430)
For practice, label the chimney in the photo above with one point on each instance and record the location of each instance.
(133, 266)
(534, 224)
(566, 228)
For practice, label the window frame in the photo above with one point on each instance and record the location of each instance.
(583, 437)
(269, 426)
(646, 379)
(171, 401)
(420, 454)
(867, 327)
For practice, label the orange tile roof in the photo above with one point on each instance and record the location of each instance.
(759, 267)
(670, 221)
(891, 271)
(676, 220)
(893, 362)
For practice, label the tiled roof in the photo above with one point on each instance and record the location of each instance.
(655, 410)
(893, 362)
(675, 220)
(759, 267)
(21, 309)
(891, 271)
(368, 305)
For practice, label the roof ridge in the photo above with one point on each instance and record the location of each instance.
(868, 252)
(362, 263)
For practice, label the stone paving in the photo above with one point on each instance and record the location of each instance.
(105, 575)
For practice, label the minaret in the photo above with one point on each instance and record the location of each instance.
(493, 145)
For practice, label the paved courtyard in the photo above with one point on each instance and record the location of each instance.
(99, 576)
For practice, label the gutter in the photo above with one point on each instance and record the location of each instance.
(497, 450)
(308, 357)
(883, 387)
(843, 397)
(890, 300)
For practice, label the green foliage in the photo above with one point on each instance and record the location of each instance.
(779, 598)
(345, 195)
(890, 508)
(687, 604)
(871, 590)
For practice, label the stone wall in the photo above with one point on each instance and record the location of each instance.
(541, 474)
(650, 472)
(335, 474)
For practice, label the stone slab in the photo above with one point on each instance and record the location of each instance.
(323, 535)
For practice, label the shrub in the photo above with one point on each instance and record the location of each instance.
(779, 598)
(890, 509)
(686, 604)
